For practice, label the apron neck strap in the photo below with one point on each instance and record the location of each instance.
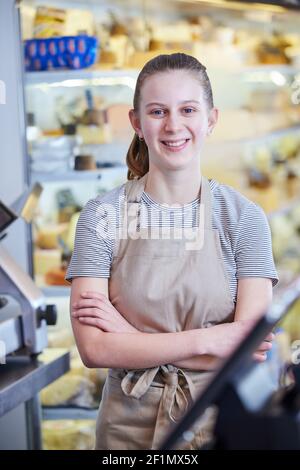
(205, 206)
(135, 188)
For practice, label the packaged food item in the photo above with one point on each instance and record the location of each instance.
(67, 206)
(72, 52)
(96, 376)
(92, 134)
(33, 133)
(70, 389)
(70, 238)
(139, 33)
(27, 17)
(85, 162)
(68, 434)
(52, 153)
(60, 338)
(272, 50)
(80, 386)
(92, 125)
(56, 277)
(138, 59)
(79, 21)
(49, 22)
(45, 260)
(47, 236)
(283, 232)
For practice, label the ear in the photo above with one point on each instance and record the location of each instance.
(212, 120)
(135, 122)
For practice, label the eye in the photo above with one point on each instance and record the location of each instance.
(157, 112)
(188, 110)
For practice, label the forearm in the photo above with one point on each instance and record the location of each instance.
(203, 362)
(142, 350)
(195, 349)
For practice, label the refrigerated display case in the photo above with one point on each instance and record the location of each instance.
(77, 148)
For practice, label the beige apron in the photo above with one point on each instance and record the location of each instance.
(161, 286)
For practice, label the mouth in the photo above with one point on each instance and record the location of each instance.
(175, 145)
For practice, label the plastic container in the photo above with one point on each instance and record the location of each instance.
(72, 52)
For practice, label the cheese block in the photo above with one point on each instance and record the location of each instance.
(70, 238)
(45, 260)
(78, 21)
(68, 434)
(96, 376)
(47, 235)
(138, 59)
(70, 389)
(94, 134)
(60, 338)
(56, 277)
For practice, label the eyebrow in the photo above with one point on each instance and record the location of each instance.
(182, 102)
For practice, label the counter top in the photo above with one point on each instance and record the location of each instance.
(22, 377)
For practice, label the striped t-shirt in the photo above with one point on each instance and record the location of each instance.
(243, 228)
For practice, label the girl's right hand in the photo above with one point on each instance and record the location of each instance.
(261, 354)
(224, 338)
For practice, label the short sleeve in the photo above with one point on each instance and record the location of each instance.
(253, 254)
(92, 253)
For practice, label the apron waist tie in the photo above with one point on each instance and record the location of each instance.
(174, 402)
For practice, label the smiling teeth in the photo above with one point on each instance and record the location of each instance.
(175, 144)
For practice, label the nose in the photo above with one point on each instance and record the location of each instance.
(172, 122)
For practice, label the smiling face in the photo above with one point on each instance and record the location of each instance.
(173, 119)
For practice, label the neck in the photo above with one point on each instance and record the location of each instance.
(176, 187)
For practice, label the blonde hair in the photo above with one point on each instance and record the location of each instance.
(137, 158)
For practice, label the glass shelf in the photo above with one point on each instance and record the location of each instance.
(56, 291)
(259, 139)
(73, 78)
(72, 175)
(127, 77)
(54, 413)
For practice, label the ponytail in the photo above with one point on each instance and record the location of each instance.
(137, 159)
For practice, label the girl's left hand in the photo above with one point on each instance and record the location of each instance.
(95, 309)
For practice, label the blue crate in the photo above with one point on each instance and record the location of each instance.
(72, 52)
